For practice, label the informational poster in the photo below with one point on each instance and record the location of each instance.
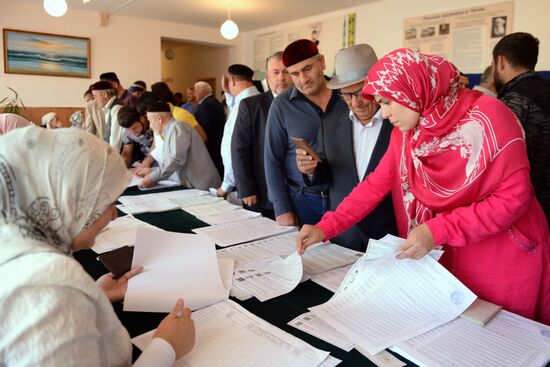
(329, 35)
(464, 36)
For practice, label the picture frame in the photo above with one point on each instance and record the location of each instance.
(38, 53)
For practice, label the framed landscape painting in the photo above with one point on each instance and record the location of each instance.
(46, 54)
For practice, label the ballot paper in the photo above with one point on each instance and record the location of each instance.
(311, 324)
(506, 340)
(327, 256)
(389, 245)
(272, 278)
(120, 232)
(386, 301)
(228, 335)
(176, 265)
(266, 248)
(248, 230)
(155, 202)
(216, 207)
(331, 279)
(230, 216)
(189, 201)
(161, 185)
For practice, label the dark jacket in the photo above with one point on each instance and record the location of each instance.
(210, 115)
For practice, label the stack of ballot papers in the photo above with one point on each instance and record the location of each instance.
(238, 232)
(230, 336)
(389, 245)
(162, 201)
(229, 216)
(216, 207)
(270, 267)
(118, 233)
(160, 185)
(176, 265)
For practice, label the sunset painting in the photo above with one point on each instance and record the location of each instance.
(46, 54)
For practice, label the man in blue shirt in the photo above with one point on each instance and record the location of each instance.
(298, 113)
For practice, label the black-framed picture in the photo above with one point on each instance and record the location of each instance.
(46, 54)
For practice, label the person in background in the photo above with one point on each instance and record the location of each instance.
(162, 90)
(52, 121)
(11, 121)
(184, 155)
(210, 114)
(487, 83)
(121, 93)
(464, 82)
(53, 313)
(178, 99)
(247, 144)
(135, 134)
(136, 90)
(527, 94)
(88, 96)
(105, 97)
(351, 145)
(458, 172)
(237, 84)
(192, 100)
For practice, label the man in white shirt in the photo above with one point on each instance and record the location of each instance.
(238, 83)
(351, 146)
(487, 83)
(105, 97)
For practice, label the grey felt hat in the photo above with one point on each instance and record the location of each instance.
(351, 65)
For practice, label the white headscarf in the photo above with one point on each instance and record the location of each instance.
(56, 183)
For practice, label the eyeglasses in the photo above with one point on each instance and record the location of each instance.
(348, 96)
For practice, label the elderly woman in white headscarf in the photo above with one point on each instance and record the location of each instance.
(57, 192)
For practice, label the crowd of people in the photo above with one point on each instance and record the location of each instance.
(399, 145)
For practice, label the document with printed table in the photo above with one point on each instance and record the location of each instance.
(386, 301)
(230, 336)
(156, 202)
(176, 265)
(120, 232)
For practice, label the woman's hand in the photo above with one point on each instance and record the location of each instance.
(115, 289)
(419, 242)
(308, 236)
(178, 329)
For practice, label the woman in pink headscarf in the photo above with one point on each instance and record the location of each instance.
(10, 121)
(458, 173)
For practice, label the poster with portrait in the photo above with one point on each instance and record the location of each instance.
(464, 36)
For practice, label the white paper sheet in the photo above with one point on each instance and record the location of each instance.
(233, 233)
(155, 202)
(266, 248)
(230, 216)
(388, 245)
(175, 265)
(506, 340)
(216, 207)
(161, 185)
(385, 301)
(120, 232)
(327, 256)
(189, 201)
(330, 362)
(271, 279)
(331, 279)
(228, 335)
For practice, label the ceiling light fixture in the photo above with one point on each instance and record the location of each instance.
(229, 28)
(56, 8)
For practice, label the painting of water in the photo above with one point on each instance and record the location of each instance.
(46, 54)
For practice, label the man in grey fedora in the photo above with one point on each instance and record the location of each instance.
(351, 146)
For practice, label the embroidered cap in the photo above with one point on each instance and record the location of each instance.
(298, 51)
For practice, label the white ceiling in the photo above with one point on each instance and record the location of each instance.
(248, 14)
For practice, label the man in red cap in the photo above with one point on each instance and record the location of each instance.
(298, 113)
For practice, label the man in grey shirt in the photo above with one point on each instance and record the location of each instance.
(183, 153)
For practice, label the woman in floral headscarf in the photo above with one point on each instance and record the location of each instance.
(57, 189)
(458, 173)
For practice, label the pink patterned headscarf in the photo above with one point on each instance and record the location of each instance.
(10, 121)
(450, 158)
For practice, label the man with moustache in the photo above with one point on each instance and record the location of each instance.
(351, 146)
(247, 145)
(527, 94)
(298, 113)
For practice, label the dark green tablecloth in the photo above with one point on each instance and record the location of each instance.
(277, 311)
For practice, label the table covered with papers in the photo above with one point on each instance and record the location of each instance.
(297, 322)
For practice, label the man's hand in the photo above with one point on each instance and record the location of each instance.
(250, 200)
(306, 164)
(142, 171)
(287, 219)
(146, 182)
(225, 83)
(220, 192)
(418, 243)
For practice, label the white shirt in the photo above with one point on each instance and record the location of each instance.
(485, 91)
(228, 176)
(364, 140)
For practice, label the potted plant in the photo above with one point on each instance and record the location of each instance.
(12, 104)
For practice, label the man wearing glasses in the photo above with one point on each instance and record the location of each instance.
(351, 147)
